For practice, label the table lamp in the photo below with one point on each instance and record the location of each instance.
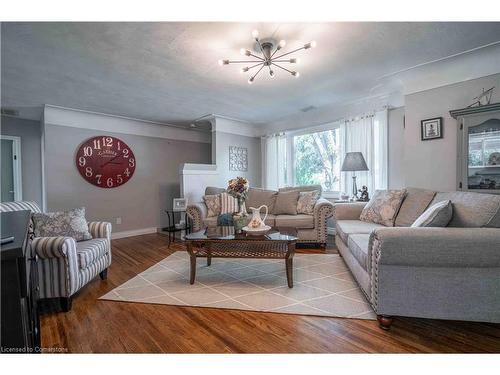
(353, 162)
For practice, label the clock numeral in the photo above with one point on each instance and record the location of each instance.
(88, 172)
(98, 177)
(119, 146)
(131, 162)
(87, 151)
(81, 161)
(125, 152)
(109, 182)
(97, 144)
(127, 172)
(107, 141)
(119, 178)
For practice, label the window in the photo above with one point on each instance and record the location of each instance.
(316, 159)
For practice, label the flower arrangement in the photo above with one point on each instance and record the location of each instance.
(238, 188)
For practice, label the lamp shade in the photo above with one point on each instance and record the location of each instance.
(354, 161)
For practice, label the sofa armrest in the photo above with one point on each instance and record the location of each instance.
(348, 211)
(323, 209)
(436, 247)
(54, 247)
(100, 229)
(197, 212)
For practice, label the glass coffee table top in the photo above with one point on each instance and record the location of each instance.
(227, 233)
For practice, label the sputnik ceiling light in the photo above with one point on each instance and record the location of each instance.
(269, 49)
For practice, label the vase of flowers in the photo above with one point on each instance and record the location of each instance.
(238, 188)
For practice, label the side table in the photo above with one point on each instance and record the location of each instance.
(171, 228)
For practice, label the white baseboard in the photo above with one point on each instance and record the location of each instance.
(331, 231)
(135, 232)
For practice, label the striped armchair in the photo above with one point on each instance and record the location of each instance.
(64, 265)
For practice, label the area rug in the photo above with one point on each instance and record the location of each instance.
(323, 286)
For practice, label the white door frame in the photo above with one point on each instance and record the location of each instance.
(16, 166)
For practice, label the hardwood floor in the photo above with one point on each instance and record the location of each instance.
(108, 327)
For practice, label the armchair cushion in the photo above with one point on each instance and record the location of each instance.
(89, 251)
(70, 223)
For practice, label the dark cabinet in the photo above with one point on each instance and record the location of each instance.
(20, 330)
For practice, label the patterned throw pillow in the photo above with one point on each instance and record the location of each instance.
(437, 215)
(383, 207)
(306, 202)
(228, 204)
(213, 204)
(70, 223)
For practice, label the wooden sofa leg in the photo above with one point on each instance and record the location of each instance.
(103, 274)
(66, 303)
(385, 321)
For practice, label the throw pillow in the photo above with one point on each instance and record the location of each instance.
(286, 203)
(228, 204)
(306, 202)
(70, 223)
(213, 204)
(383, 207)
(437, 215)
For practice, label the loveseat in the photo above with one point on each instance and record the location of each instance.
(428, 272)
(310, 228)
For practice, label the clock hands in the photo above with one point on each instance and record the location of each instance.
(110, 161)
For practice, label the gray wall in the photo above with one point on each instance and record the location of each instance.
(30, 133)
(432, 164)
(141, 201)
(222, 142)
(396, 148)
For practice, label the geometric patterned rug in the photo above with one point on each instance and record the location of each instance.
(323, 286)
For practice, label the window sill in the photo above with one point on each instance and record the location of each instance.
(331, 195)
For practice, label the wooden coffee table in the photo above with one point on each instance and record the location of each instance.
(222, 242)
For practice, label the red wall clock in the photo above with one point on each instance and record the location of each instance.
(105, 161)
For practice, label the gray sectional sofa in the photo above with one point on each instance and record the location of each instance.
(310, 228)
(440, 273)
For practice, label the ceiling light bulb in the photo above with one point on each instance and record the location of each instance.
(313, 44)
(244, 70)
(250, 80)
(271, 73)
(255, 34)
(282, 43)
(294, 61)
(296, 74)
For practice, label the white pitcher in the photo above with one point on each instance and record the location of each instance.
(256, 221)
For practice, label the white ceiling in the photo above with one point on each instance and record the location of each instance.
(168, 72)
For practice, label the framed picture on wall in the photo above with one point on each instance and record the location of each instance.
(180, 204)
(431, 128)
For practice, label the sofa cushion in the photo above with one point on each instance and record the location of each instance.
(358, 246)
(210, 221)
(414, 205)
(286, 203)
(437, 215)
(213, 205)
(302, 188)
(306, 202)
(383, 207)
(344, 228)
(212, 190)
(89, 251)
(258, 197)
(472, 210)
(228, 204)
(295, 221)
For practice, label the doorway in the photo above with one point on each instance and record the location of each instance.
(11, 188)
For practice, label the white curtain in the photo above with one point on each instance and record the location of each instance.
(366, 134)
(274, 158)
